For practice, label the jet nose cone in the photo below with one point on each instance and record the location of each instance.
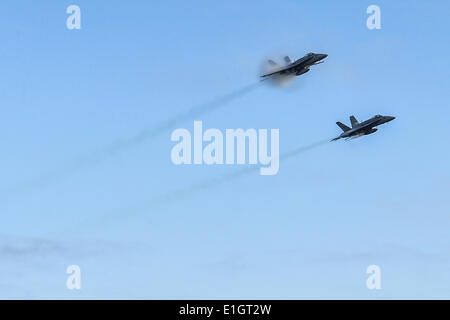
(319, 57)
(389, 118)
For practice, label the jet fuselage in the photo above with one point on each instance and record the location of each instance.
(363, 128)
(299, 66)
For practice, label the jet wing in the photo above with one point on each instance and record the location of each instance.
(271, 74)
(278, 71)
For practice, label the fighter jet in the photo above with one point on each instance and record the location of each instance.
(297, 67)
(361, 129)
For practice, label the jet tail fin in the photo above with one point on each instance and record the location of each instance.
(273, 63)
(342, 126)
(287, 59)
(353, 121)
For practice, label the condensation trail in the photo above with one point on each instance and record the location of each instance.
(124, 144)
(172, 196)
(235, 175)
(191, 114)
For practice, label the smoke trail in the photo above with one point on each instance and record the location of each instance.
(172, 196)
(191, 114)
(215, 181)
(299, 150)
(124, 144)
(235, 175)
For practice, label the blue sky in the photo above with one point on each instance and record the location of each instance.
(308, 232)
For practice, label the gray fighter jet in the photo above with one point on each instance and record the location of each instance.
(297, 67)
(361, 129)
